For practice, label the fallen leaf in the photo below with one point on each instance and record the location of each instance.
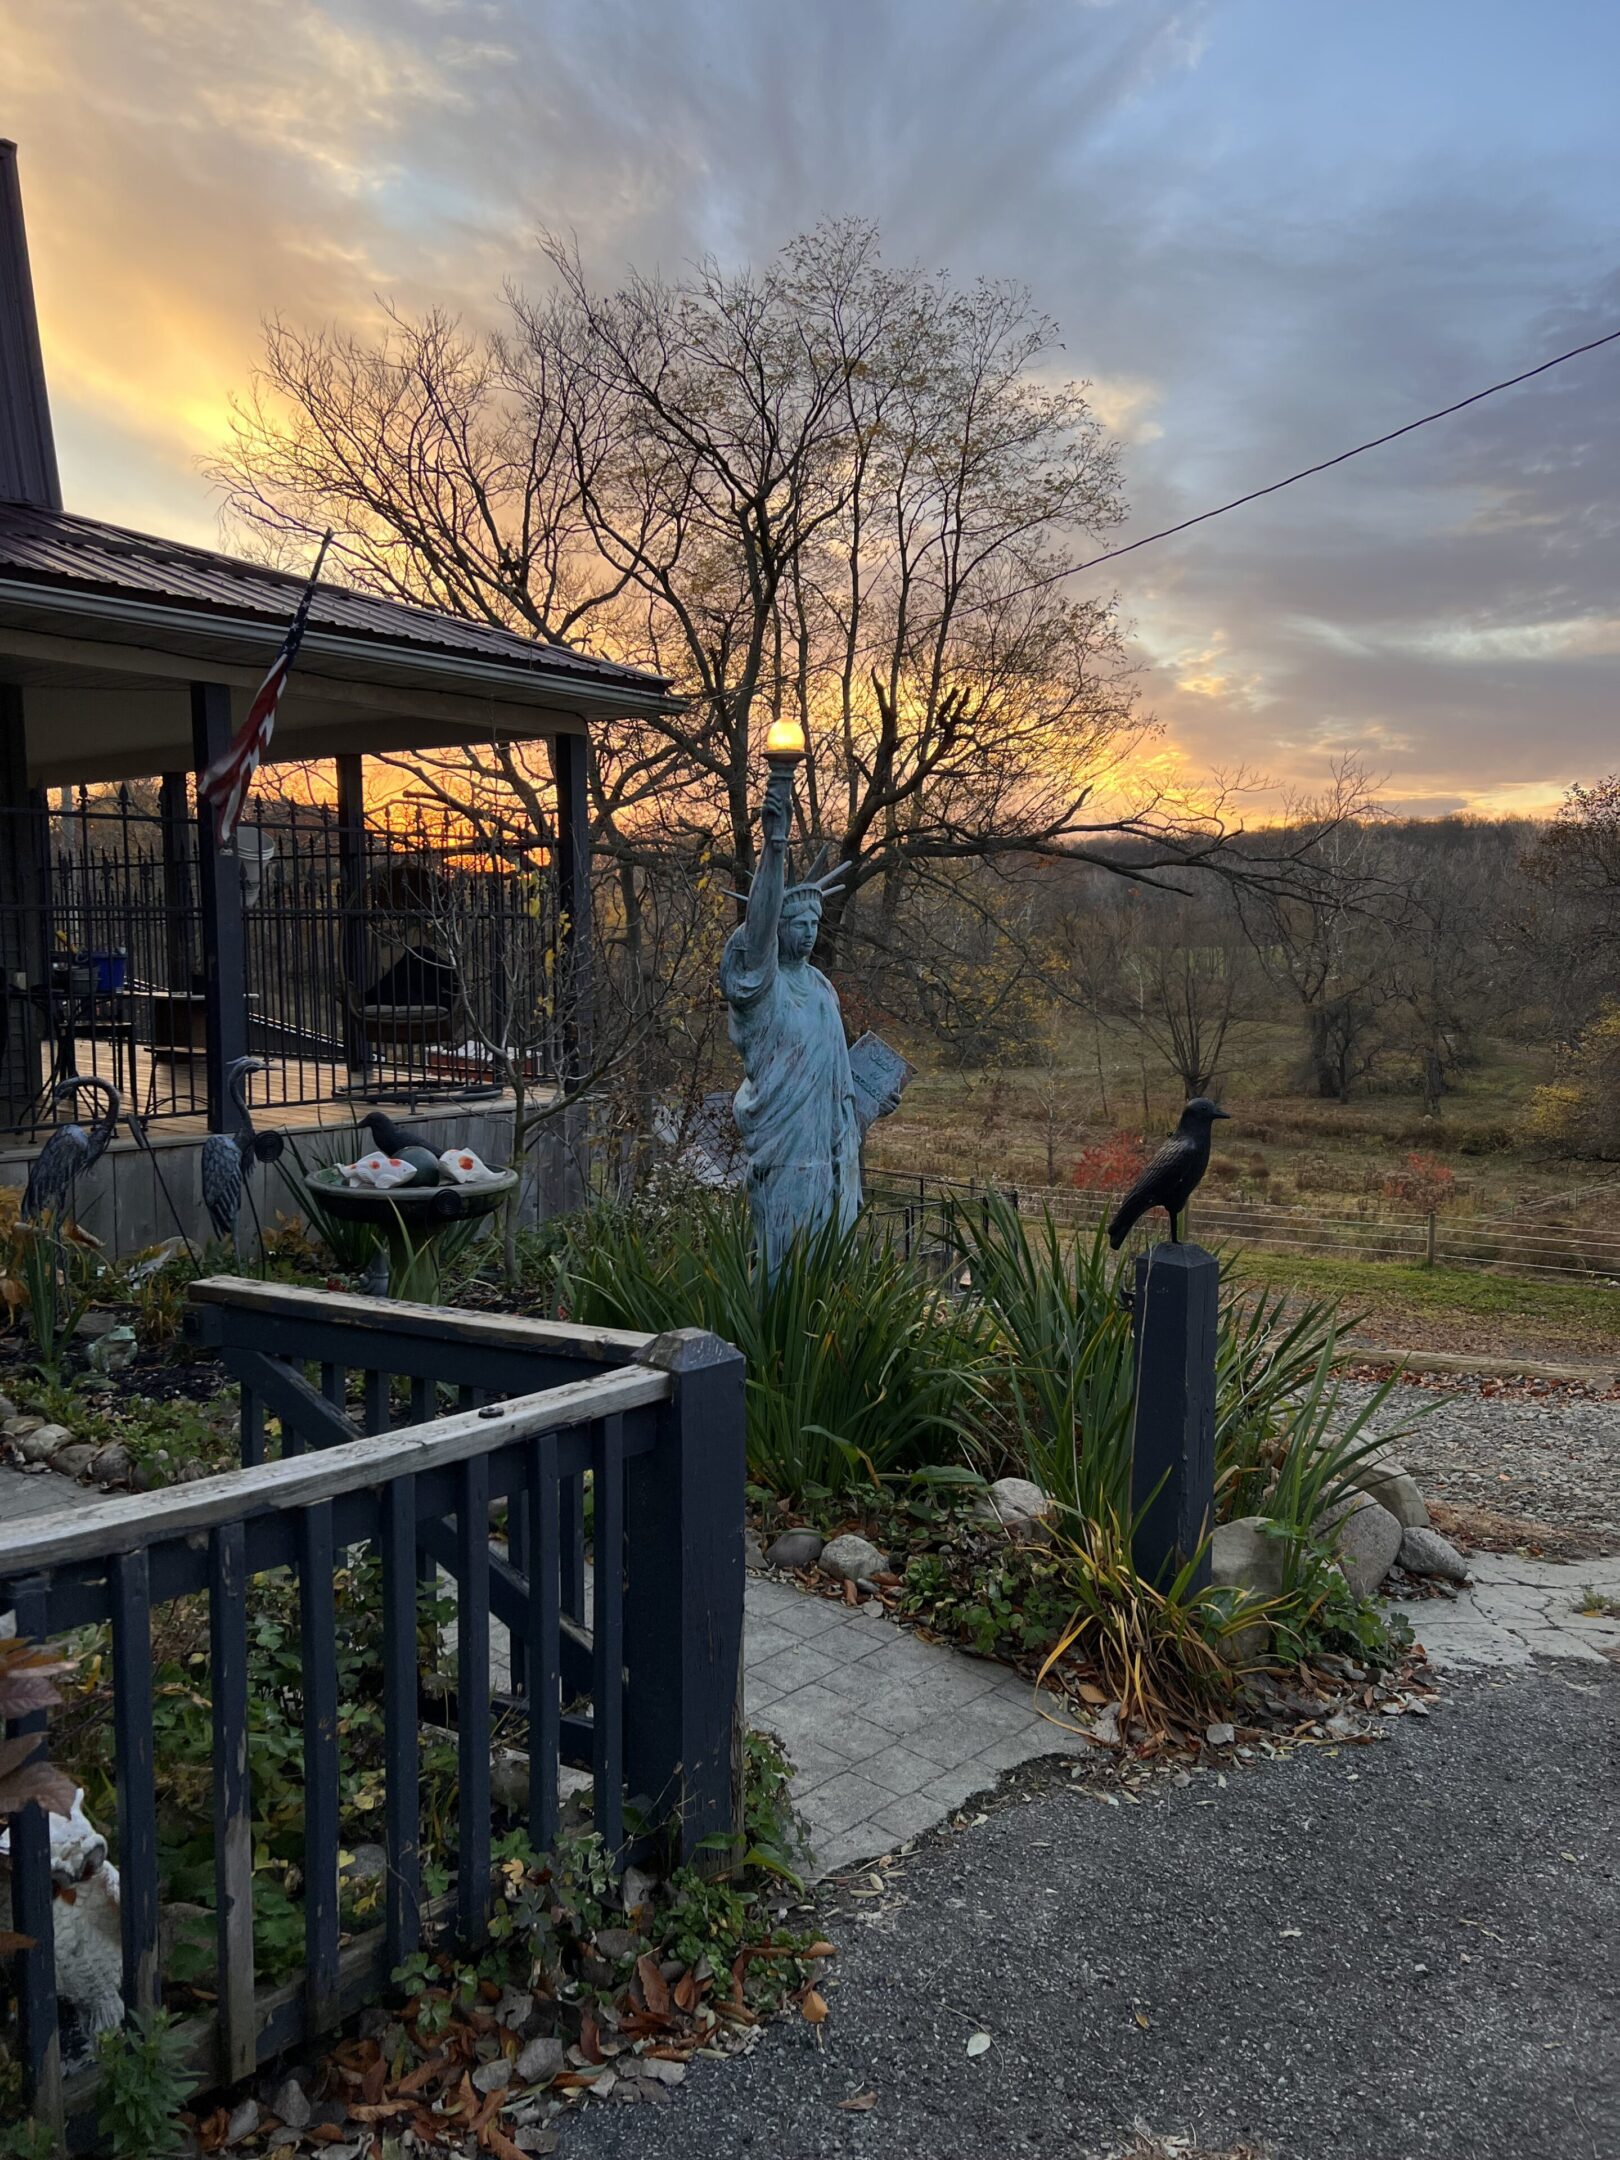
(686, 1991)
(1143, 2020)
(813, 2007)
(858, 2103)
(1090, 1692)
(654, 1987)
(978, 2043)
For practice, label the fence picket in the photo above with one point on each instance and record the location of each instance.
(402, 1770)
(33, 1904)
(318, 1649)
(607, 1690)
(233, 1809)
(472, 1697)
(544, 1648)
(130, 1582)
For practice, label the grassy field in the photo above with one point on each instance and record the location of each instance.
(1460, 1309)
(1027, 1125)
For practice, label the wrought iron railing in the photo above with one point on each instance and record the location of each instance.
(650, 1638)
(373, 959)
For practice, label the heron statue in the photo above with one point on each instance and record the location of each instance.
(228, 1158)
(69, 1150)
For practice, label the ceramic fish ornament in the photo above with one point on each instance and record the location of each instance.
(379, 1171)
(462, 1165)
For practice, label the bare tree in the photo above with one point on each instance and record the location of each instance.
(1329, 943)
(824, 486)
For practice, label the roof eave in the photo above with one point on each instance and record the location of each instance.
(633, 693)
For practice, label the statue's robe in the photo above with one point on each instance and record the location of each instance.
(796, 1106)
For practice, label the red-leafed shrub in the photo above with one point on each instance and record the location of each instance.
(1425, 1185)
(1109, 1165)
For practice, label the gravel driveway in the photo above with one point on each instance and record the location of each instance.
(1397, 1952)
(1512, 1468)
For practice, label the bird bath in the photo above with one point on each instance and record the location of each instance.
(413, 1222)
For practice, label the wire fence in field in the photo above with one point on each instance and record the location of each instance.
(915, 1206)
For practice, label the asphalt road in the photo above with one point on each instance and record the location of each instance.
(1403, 1950)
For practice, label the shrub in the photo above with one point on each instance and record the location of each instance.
(1109, 1165)
(857, 1366)
(1424, 1185)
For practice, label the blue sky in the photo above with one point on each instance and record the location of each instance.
(1267, 228)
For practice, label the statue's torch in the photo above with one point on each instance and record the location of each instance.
(785, 745)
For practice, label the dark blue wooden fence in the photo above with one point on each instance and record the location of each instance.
(496, 1409)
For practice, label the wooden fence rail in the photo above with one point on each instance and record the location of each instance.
(915, 1205)
(456, 1411)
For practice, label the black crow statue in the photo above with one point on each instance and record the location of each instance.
(391, 1138)
(1173, 1176)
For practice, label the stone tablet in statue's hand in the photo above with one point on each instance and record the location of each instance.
(776, 812)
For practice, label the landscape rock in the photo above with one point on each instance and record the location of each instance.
(189, 1472)
(492, 2076)
(111, 1464)
(541, 2060)
(20, 1424)
(515, 2008)
(41, 1442)
(290, 2104)
(1365, 1537)
(753, 1553)
(618, 1943)
(1392, 1485)
(8, 1410)
(795, 1549)
(243, 2122)
(1426, 1552)
(1017, 1503)
(850, 1557)
(74, 1458)
(1243, 1555)
(368, 1862)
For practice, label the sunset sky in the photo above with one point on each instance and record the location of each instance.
(1268, 229)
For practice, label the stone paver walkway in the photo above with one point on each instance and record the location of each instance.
(1517, 1610)
(888, 1733)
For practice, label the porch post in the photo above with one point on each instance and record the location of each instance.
(24, 928)
(351, 810)
(174, 818)
(219, 881)
(569, 753)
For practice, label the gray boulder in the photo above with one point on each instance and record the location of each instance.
(794, 1549)
(1242, 1556)
(850, 1557)
(1017, 1503)
(1392, 1485)
(73, 1458)
(1365, 1538)
(42, 1441)
(1426, 1552)
(111, 1464)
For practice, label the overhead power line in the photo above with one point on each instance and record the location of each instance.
(1326, 464)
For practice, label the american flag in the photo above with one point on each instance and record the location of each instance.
(225, 783)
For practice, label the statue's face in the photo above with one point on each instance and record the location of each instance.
(796, 932)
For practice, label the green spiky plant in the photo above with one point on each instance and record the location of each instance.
(858, 1368)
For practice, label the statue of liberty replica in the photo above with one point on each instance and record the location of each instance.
(804, 1103)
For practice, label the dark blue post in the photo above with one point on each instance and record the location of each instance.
(219, 888)
(1173, 1453)
(684, 1597)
